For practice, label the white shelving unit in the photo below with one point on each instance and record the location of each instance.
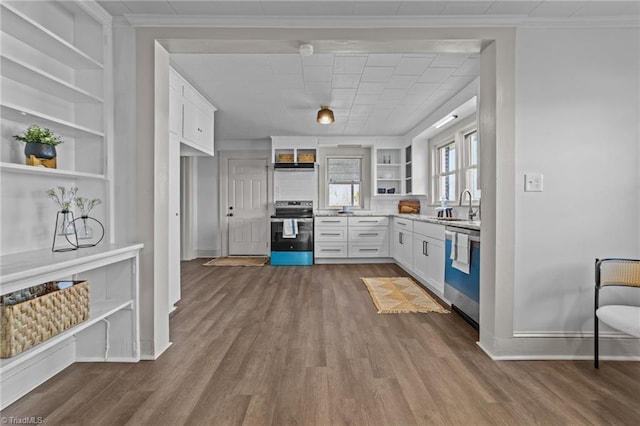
(55, 72)
(388, 168)
(111, 333)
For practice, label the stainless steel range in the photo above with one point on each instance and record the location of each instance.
(292, 233)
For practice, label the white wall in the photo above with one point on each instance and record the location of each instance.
(208, 224)
(577, 123)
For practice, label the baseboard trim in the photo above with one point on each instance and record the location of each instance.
(208, 253)
(350, 260)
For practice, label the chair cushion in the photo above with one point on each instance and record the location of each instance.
(621, 317)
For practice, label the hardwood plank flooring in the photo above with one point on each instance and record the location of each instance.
(293, 345)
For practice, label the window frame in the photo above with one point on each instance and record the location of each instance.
(328, 181)
(438, 173)
(456, 134)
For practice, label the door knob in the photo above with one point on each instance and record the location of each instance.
(230, 207)
(230, 214)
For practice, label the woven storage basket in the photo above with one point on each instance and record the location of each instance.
(306, 158)
(33, 321)
(285, 158)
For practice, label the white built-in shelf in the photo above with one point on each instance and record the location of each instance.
(67, 128)
(24, 73)
(390, 164)
(97, 312)
(37, 36)
(44, 171)
(21, 270)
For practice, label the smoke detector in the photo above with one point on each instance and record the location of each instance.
(306, 49)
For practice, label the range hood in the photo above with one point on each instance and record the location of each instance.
(303, 166)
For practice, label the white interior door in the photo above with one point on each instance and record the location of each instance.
(247, 207)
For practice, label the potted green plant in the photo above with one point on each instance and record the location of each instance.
(40, 148)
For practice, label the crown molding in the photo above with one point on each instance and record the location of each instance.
(96, 11)
(475, 21)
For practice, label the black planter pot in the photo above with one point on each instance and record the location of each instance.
(40, 150)
(40, 154)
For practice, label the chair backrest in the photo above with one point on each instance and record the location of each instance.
(620, 272)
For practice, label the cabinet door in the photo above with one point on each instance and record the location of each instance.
(420, 258)
(435, 263)
(403, 247)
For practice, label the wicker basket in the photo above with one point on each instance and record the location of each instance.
(285, 158)
(28, 323)
(306, 158)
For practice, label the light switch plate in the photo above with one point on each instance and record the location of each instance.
(533, 182)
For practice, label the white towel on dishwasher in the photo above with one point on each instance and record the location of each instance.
(289, 228)
(460, 252)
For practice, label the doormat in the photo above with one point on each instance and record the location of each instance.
(237, 261)
(395, 295)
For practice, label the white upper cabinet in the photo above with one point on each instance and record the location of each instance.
(191, 117)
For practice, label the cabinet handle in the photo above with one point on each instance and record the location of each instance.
(330, 233)
(402, 223)
(426, 245)
(400, 237)
(368, 234)
(424, 250)
(199, 129)
(332, 250)
(367, 249)
(367, 221)
(329, 221)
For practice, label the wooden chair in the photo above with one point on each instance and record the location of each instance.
(625, 318)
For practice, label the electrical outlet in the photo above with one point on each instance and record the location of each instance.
(533, 182)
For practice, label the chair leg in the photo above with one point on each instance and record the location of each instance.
(596, 362)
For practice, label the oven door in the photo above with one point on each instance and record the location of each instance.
(303, 241)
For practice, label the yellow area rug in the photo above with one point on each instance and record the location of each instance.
(237, 261)
(395, 295)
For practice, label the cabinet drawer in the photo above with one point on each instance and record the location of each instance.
(402, 223)
(330, 249)
(368, 250)
(368, 221)
(427, 229)
(368, 235)
(330, 233)
(330, 221)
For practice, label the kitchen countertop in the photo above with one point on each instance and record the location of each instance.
(461, 223)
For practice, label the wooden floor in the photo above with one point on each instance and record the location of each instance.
(304, 346)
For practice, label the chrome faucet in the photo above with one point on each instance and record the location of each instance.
(472, 213)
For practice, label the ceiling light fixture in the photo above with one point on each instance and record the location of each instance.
(306, 49)
(449, 118)
(325, 115)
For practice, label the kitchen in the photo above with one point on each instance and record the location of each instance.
(535, 292)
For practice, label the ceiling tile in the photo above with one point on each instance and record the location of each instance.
(286, 64)
(361, 99)
(349, 64)
(609, 8)
(413, 66)
(391, 94)
(423, 89)
(361, 110)
(436, 75)
(384, 60)
(448, 60)
(345, 81)
(317, 74)
(401, 81)
(373, 74)
(370, 88)
(320, 59)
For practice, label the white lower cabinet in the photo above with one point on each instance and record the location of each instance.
(330, 237)
(351, 237)
(402, 242)
(428, 260)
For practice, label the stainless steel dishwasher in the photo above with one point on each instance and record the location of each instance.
(462, 289)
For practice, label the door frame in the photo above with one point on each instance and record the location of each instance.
(225, 156)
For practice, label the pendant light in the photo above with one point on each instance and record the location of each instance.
(325, 115)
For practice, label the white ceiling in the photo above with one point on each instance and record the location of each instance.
(385, 8)
(261, 95)
(372, 91)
